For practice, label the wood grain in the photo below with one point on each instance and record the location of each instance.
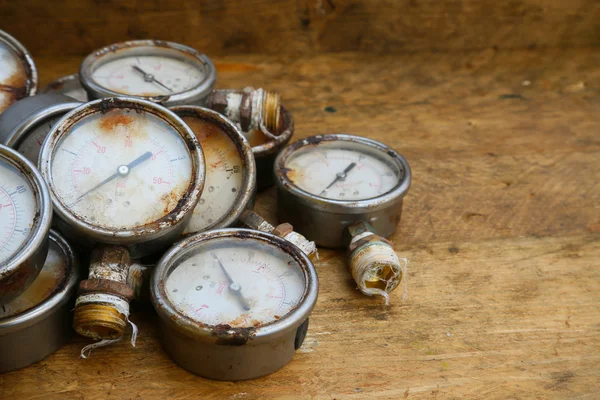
(501, 228)
(301, 27)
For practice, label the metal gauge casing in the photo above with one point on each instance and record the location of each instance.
(226, 152)
(24, 117)
(216, 347)
(38, 322)
(153, 50)
(123, 122)
(324, 219)
(69, 85)
(24, 233)
(18, 75)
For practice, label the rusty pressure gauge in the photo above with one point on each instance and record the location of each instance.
(69, 85)
(25, 218)
(123, 172)
(41, 311)
(18, 75)
(25, 124)
(164, 72)
(343, 190)
(233, 303)
(230, 182)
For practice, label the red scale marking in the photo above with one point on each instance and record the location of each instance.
(11, 229)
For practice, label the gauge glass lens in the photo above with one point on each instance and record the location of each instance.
(237, 282)
(13, 77)
(32, 142)
(18, 207)
(341, 170)
(48, 281)
(224, 174)
(148, 75)
(121, 170)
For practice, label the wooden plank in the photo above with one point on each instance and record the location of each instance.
(501, 228)
(294, 27)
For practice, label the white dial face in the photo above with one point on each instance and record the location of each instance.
(236, 282)
(50, 278)
(224, 175)
(342, 171)
(13, 77)
(121, 170)
(32, 143)
(18, 207)
(148, 75)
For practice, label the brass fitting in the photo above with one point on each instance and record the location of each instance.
(102, 306)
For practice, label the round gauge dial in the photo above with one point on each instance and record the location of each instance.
(230, 170)
(18, 76)
(236, 282)
(171, 72)
(343, 170)
(121, 169)
(18, 207)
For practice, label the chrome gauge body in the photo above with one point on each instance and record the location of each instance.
(234, 303)
(123, 171)
(25, 124)
(41, 311)
(327, 182)
(18, 75)
(165, 72)
(230, 169)
(25, 218)
(69, 86)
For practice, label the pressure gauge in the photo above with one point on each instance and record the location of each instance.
(69, 86)
(18, 75)
(123, 171)
(25, 124)
(25, 217)
(234, 303)
(165, 72)
(327, 182)
(230, 170)
(41, 311)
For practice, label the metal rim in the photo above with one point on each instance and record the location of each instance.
(44, 202)
(32, 81)
(16, 136)
(273, 146)
(63, 84)
(246, 195)
(201, 90)
(56, 300)
(153, 229)
(201, 331)
(343, 206)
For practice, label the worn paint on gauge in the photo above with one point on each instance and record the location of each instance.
(122, 169)
(224, 174)
(32, 143)
(270, 282)
(161, 75)
(51, 278)
(18, 208)
(13, 77)
(342, 171)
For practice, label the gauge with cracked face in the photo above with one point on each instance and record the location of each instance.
(168, 72)
(18, 75)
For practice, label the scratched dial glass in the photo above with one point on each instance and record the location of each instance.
(18, 207)
(148, 75)
(238, 282)
(31, 144)
(13, 76)
(224, 175)
(342, 170)
(121, 170)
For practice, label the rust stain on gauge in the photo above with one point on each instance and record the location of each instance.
(13, 88)
(232, 336)
(108, 123)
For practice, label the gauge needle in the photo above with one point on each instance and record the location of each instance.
(340, 176)
(122, 170)
(234, 287)
(150, 77)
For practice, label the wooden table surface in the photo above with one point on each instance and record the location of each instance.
(501, 228)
